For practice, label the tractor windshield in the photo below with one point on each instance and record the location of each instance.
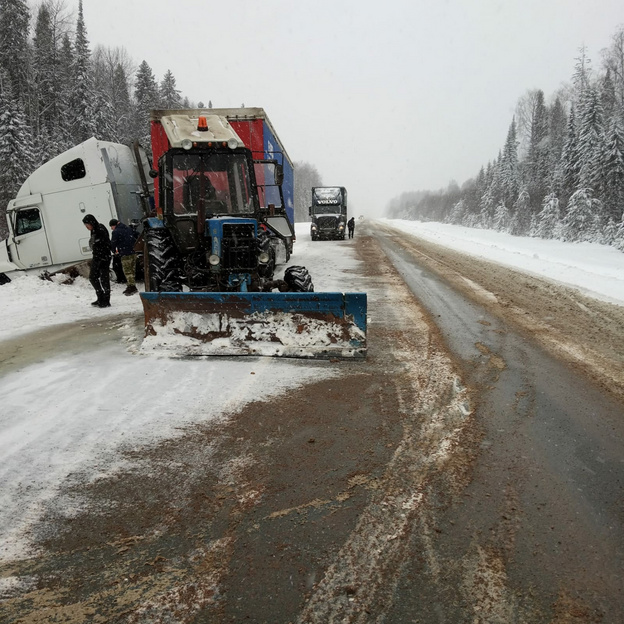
(212, 183)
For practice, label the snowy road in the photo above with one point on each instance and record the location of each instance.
(549, 483)
(455, 472)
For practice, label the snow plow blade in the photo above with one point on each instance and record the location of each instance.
(291, 324)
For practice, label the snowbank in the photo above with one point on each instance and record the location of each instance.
(596, 270)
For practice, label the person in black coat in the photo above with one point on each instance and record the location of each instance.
(100, 264)
(122, 245)
(351, 226)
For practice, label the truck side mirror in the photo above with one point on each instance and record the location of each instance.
(153, 173)
(279, 175)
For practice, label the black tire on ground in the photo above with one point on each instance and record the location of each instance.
(298, 279)
(4, 279)
(163, 262)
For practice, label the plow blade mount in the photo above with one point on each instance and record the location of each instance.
(293, 324)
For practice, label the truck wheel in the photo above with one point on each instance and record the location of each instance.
(298, 279)
(163, 268)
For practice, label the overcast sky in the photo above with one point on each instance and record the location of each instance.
(382, 97)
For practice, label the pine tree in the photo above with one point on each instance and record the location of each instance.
(169, 95)
(501, 218)
(122, 105)
(613, 172)
(509, 178)
(536, 165)
(65, 81)
(570, 160)
(579, 223)
(557, 131)
(81, 105)
(549, 217)
(146, 98)
(45, 73)
(14, 47)
(16, 148)
(458, 213)
(591, 139)
(520, 222)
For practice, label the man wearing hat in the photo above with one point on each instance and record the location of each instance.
(100, 264)
(122, 243)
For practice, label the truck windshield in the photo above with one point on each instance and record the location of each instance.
(326, 200)
(219, 181)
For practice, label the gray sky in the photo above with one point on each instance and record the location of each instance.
(382, 97)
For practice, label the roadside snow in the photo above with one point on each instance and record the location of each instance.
(67, 417)
(596, 270)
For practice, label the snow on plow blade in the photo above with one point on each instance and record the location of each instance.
(295, 324)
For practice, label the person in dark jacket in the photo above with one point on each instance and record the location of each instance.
(122, 244)
(351, 226)
(100, 264)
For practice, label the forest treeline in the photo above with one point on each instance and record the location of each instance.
(55, 92)
(560, 173)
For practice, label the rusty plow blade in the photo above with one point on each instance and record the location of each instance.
(296, 324)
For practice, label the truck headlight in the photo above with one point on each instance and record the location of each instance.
(186, 144)
(232, 143)
(314, 227)
(214, 260)
(341, 227)
(263, 257)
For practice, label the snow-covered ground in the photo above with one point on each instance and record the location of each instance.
(596, 270)
(69, 414)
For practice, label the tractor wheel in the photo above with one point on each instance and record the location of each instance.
(298, 279)
(163, 265)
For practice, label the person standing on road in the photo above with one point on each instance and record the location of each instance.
(351, 226)
(100, 264)
(122, 244)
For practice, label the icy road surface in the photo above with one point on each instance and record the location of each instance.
(72, 395)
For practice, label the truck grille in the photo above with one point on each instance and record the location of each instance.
(238, 247)
(327, 223)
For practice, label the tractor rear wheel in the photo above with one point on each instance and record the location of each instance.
(162, 262)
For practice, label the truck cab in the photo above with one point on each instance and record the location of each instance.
(328, 213)
(46, 233)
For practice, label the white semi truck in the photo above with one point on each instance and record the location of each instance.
(46, 232)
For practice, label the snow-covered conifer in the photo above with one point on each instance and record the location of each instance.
(500, 221)
(146, 97)
(548, 219)
(591, 138)
(457, 213)
(169, 95)
(509, 178)
(570, 161)
(580, 219)
(81, 104)
(613, 172)
(16, 147)
(14, 47)
(520, 221)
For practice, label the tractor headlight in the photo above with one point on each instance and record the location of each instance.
(186, 144)
(341, 226)
(263, 257)
(232, 143)
(214, 260)
(314, 227)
